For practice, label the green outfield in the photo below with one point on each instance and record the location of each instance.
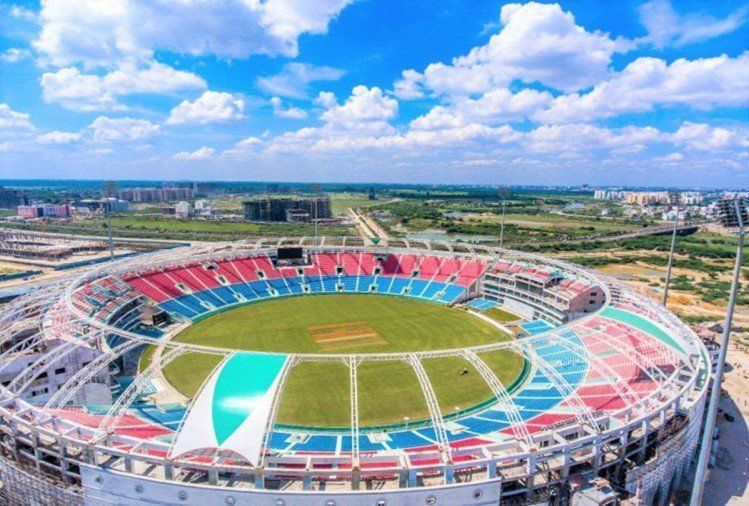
(318, 393)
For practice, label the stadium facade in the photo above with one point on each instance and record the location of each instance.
(614, 386)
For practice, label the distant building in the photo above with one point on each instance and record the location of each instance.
(646, 198)
(608, 195)
(184, 209)
(288, 209)
(45, 211)
(11, 199)
(156, 194)
(112, 205)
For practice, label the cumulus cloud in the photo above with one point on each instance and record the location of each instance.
(667, 27)
(366, 109)
(14, 121)
(104, 129)
(204, 153)
(75, 90)
(703, 137)
(97, 33)
(537, 43)
(18, 12)
(294, 79)
(286, 112)
(58, 137)
(670, 158)
(495, 106)
(14, 54)
(210, 107)
(646, 82)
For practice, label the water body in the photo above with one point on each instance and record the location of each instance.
(573, 206)
(441, 235)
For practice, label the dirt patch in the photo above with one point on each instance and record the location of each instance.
(345, 335)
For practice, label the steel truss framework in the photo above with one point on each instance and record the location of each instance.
(56, 302)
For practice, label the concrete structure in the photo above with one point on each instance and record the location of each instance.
(45, 211)
(288, 209)
(11, 199)
(156, 194)
(184, 209)
(642, 443)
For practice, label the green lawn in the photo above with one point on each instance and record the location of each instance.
(317, 394)
(500, 315)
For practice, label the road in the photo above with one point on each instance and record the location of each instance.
(366, 226)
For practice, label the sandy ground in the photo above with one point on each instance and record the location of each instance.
(728, 482)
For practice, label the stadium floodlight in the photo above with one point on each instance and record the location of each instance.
(733, 214)
(675, 198)
(503, 192)
(316, 190)
(109, 190)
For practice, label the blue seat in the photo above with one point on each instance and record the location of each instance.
(279, 285)
(406, 439)
(245, 290)
(398, 285)
(383, 283)
(433, 289)
(349, 283)
(315, 284)
(225, 294)
(364, 283)
(452, 293)
(207, 296)
(318, 443)
(329, 283)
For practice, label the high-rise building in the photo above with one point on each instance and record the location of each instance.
(11, 199)
(288, 209)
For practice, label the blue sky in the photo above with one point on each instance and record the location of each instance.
(448, 91)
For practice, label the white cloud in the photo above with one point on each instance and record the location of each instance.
(703, 137)
(495, 106)
(293, 81)
(365, 105)
(365, 115)
(666, 27)
(104, 129)
(15, 54)
(21, 13)
(104, 33)
(576, 138)
(537, 43)
(646, 82)
(670, 158)
(286, 112)
(210, 107)
(58, 137)
(204, 153)
(14, 121)
(409, 87)
(86, 92)
(326, 99)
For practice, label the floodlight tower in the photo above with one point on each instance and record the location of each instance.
(733, 214)
(503, 192)
(316, 190)
(109, 190)
(674, 197)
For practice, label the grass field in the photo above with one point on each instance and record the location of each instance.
(500, 315)
(318, 393)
